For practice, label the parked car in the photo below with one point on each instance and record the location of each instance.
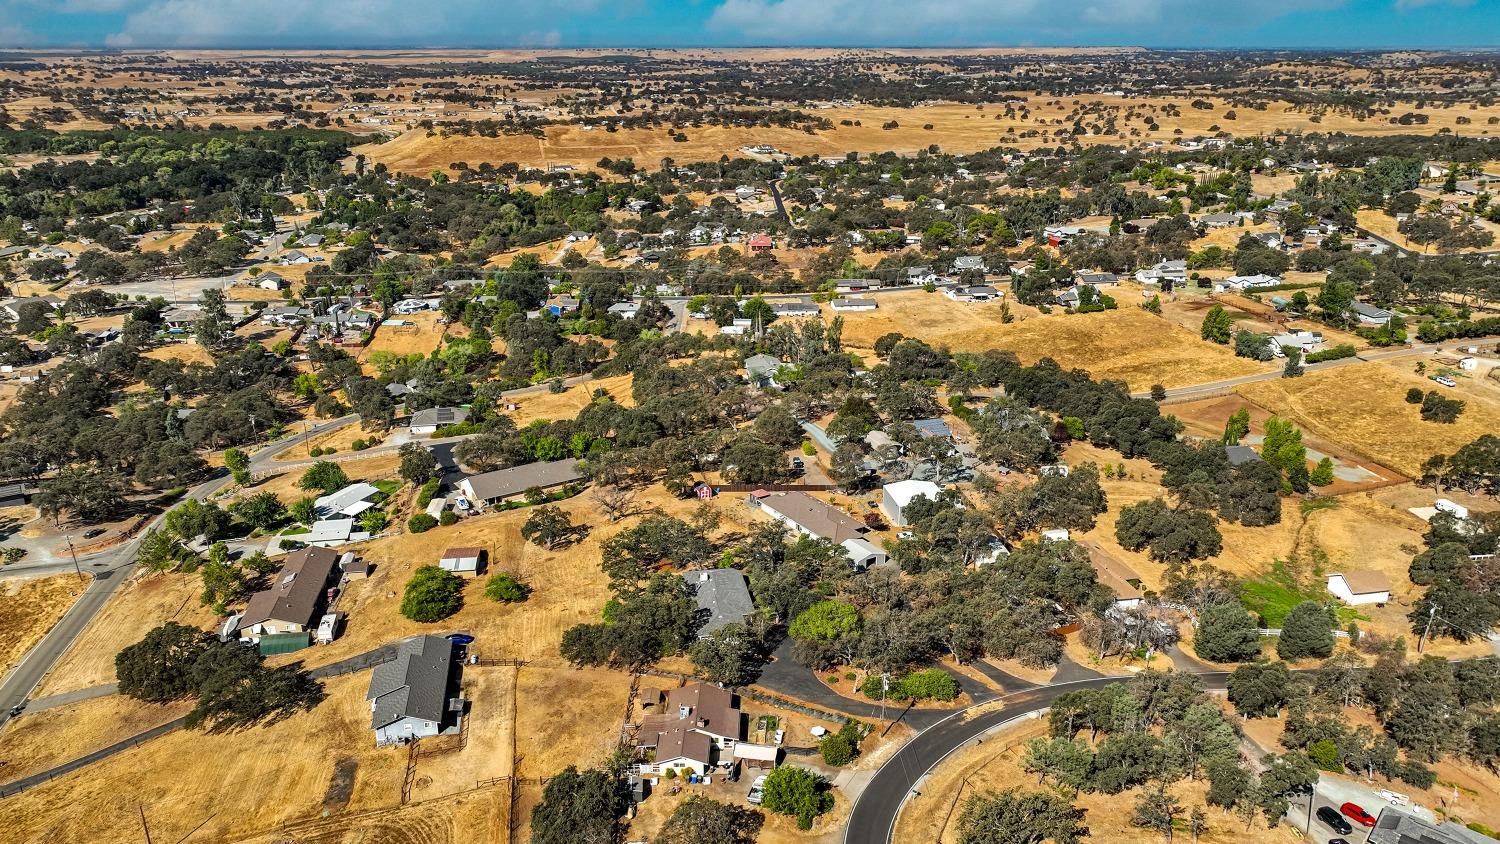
(1338, 841)
(1330, 816)
(1358, 814)
(93, 532)
(1445, 380)
(757, 790)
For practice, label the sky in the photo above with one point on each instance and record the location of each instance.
(371, 24)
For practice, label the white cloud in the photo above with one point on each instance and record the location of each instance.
(213, 23)
(983, 21)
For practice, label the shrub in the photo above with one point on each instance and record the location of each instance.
(1332, 353)
(448, 518)
(506, 589)
(428, 492)
(432, 594)
(421, 523)
(808, 448)
(930, 684)
(1325, 754)
(836, 749)
(1414, 395)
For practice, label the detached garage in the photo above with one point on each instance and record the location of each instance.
(461, 560)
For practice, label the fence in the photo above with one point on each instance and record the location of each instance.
(21, 785)
(776, 487)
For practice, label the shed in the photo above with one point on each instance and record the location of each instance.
(1356, 587)
(895, 497)
(461, 560)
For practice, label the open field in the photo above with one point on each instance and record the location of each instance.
(38, 741)
(29, 608)
(1363, 406)
(146, 602)
(421, 337)
(956, 128)
(995, 765)
(1128, 344)
(565, 405)
(1385, 225)
(222, 786)
(341, 440)
(187, 352)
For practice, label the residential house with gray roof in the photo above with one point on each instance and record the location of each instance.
(409, 695)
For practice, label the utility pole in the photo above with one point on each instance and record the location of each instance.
(76, 569)
(1431, 615)
(144, 828)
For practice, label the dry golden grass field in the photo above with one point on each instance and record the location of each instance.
(565, 405)
(421, 337)
(187, 352)
(1127, 344)
(216, 787)
(340, 439)
(1363, 406)
(29, 608)
(146, 602)
(1385, 225)
(956, 128)
(41, 740)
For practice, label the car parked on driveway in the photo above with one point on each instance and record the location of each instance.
(757, 790)
(1357, 813)
(1331, 816)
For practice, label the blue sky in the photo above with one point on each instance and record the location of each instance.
(891, 23)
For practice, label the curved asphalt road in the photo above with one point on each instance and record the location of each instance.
(875, 811)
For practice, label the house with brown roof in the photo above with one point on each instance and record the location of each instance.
(294, 602)
(1357, 586)
(694, 727)
(811, 517)
(1117, 577)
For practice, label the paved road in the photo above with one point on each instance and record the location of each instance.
(875, 811)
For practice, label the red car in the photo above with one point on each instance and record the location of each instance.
(1357, 814)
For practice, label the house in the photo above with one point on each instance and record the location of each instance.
(857, 285)
(180, 319)
(1096, 280)
(760, 242)
(1067, 298)
(897, 497)
(1305, 341)
(559, 305)
(12, 495)
(348, 502)
(1248, 282)
(461, 560)
(723, 598)
(310, 240)
(503, 485)
(689, 728)
(625, 310)
(1059, 235)
(854, 303)
(427, 422)
(270, 281)
(920, 275)
(409, 695)
(968, 263)
(803, 307)
(1371, 315)
(1239, 454)
(1468, 363)
(976, 293)
(11, 309)
(295, 256)
(411, 306)
(577, 237)
(1174, 271)
(1271, 240)
(932, 428)
(1117, 577)
(324, 533)
(295, 599)
(1056, 535)
(1396, 827)
(744, 193)
(1356, 587)
(760, 371)
(812, 517)
(1220, 220)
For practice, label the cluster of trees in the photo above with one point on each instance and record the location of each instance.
(1462, 600)
(1158, 729)
(232, 689)
(1426, 710)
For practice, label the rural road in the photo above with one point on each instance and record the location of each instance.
(1213, 388)
(110, 569)
(873, 818)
